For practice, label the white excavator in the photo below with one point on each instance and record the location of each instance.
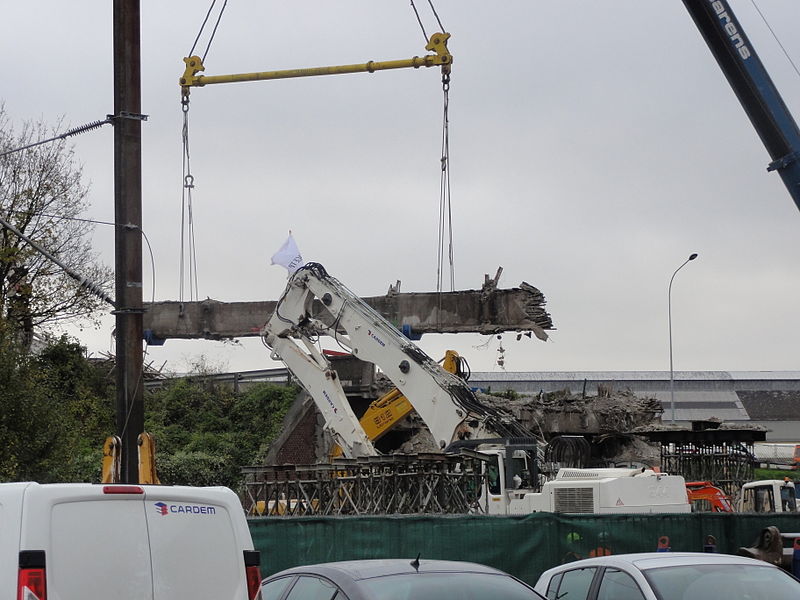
(315, 304)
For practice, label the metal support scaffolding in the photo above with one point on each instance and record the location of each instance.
(403, 484)
(729, 465)
(708, 452)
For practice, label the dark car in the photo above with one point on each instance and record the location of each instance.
(395, 579)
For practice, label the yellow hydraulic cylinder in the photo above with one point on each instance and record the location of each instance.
(437, 44)
(111, 459)
(147, 459)
(452, 363)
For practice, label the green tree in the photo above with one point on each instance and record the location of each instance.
(55, 412)
(205, 432)
(57, 408)
(85, 393)
(41, 194)
(27, 422)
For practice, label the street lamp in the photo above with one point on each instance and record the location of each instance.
(692, 256)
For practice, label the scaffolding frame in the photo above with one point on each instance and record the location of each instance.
(388, 485)
(728, 465)
(709, 452)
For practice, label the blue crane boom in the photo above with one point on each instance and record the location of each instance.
(753, 86)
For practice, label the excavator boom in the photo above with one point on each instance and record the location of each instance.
(443, 401)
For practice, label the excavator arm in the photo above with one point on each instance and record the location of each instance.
(290, 334)
(443, 401)
(386, 412)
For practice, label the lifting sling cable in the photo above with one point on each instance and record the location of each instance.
(445, 207)
(187, 219)
(445, 226)
(445, 229)
(439, 56)
(188, 250)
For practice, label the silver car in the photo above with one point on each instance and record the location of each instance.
(395, 579)
(668, 576)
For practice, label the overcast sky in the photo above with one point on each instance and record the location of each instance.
(594, 145)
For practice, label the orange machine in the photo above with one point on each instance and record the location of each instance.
(706, 497)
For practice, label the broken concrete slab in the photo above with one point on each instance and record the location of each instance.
(487, 311)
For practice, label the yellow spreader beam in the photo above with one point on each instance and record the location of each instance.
(437, 44)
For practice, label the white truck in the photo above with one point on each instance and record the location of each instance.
(127, 542)
(768, 496)
(576, 491)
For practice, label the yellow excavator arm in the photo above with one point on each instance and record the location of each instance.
(386, 412)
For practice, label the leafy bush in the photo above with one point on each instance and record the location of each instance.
(57, 408)
(53, 413)
(205, 432)
(774, 474)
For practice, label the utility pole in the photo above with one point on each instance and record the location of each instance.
(128, 236)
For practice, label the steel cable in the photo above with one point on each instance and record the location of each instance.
(187, 219)
(66, 134)
(763, 18)
(435, 14)
(419, 20)
(214, 31)
(203, 26)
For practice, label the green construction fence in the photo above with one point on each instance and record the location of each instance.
(524, 546)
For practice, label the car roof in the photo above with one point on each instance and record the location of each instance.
(655, 560)
(365, 569)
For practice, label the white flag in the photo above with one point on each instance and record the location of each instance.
(288, 256)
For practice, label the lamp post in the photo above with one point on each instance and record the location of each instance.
(692, 256)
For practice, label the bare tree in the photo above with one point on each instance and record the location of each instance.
(42, 195)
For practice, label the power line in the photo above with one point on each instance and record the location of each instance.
(82, 281)
(95, 221)
(774, 35)
(66, 134)
(78, 130)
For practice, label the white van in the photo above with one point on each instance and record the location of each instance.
(78, 541)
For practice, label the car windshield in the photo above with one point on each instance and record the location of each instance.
(721, 582)
(436, 586)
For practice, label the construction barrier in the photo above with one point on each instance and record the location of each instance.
(524, 546)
